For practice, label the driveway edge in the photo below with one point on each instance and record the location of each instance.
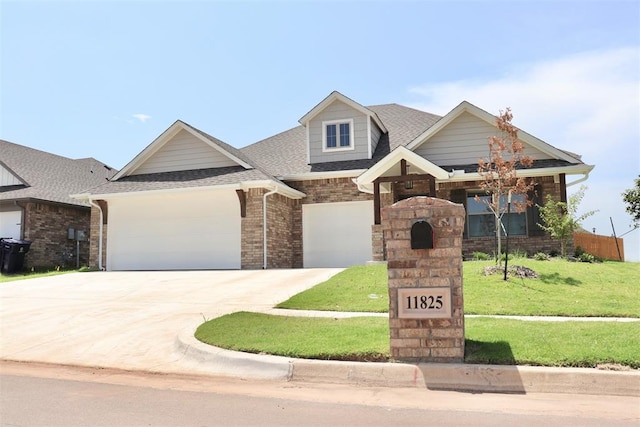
(433, 376)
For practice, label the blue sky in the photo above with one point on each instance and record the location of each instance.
(103, 79)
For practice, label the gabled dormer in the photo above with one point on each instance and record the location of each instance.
(340, 129)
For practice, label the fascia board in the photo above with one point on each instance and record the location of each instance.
(283, 189)
(335, 95)
(394, 157)
(309, 176)
(526, 173)
(149, 150)
(466, 106)
(107, 196)
(216, 147)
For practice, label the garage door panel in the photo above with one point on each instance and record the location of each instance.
(174, 232)
(337, 234)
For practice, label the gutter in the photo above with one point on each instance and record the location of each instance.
(100, 233)
(264, 226)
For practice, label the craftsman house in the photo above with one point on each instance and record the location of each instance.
(35, 203)
(309, 196)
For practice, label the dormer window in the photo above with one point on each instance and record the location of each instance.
(337, 135)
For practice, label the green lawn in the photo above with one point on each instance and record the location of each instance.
(23, 276)
(563, 288)
(608, 289)
(488, 340)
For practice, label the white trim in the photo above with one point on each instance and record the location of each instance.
(282, 189)
(333, 96)
(308, 146)
(393, 158)
(525, 173)
(369, 150)
(310, 176)
(338, 147)
(163, 139)
(466, 106)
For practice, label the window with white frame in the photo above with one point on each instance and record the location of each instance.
(337, 135)
(482, 221)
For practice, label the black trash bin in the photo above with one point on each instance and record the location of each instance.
(12, 253)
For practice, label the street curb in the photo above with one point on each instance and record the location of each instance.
(433, 376)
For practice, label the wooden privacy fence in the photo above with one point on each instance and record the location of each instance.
(601, 246)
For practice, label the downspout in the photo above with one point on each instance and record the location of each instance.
(100, 234)
(23, 217)
(264, 226)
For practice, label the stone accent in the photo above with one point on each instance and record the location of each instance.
(46, 225)
(423, 339)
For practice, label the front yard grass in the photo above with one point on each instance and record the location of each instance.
(563, 288)
(488, 340)
(30, 275)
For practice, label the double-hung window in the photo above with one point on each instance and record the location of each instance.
(337, 135)
(482, 221)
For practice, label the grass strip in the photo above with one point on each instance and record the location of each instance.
(491, 341)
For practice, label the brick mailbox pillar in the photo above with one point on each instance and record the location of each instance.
(423, 237)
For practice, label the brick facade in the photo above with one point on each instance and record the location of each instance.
(94, 239)
(419, 336)
(46, 225)
(527, 244)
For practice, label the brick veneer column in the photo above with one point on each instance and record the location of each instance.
(424, 335)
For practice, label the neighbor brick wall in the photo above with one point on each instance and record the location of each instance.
(45, 225)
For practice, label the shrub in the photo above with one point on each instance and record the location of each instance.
(541, 256)
(480, 256)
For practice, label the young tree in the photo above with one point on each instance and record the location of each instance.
(632, 198)
(499, 174)
(560, 219)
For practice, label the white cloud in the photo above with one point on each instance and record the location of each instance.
(141, 117)
(587, 103)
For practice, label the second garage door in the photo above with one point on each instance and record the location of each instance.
(178, 231)
(337, 234)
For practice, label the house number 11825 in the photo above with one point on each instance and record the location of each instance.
(424, 302)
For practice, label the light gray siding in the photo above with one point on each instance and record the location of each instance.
(184, 152)
(7, 178)
(338, 111)
(375, 136)
(464, 141)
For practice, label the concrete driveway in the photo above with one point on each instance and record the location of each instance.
(130, 320)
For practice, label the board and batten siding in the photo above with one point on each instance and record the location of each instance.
(338, 111)
(464, 141)
(7, 178)
(184, 152)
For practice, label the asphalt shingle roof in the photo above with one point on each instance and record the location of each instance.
(286, 153)
(48, 176)
(181, 179)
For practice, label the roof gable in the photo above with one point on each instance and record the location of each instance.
(337, 96)
(8, 177)
(183, 147)
(538, 148)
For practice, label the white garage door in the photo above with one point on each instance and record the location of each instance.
(336, 234)
(10, 224)
(180, 231)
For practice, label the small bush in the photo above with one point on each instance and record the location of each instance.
(480, 256)
(541, 256)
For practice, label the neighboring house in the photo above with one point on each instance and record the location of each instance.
(190, 201)
(35, 203)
